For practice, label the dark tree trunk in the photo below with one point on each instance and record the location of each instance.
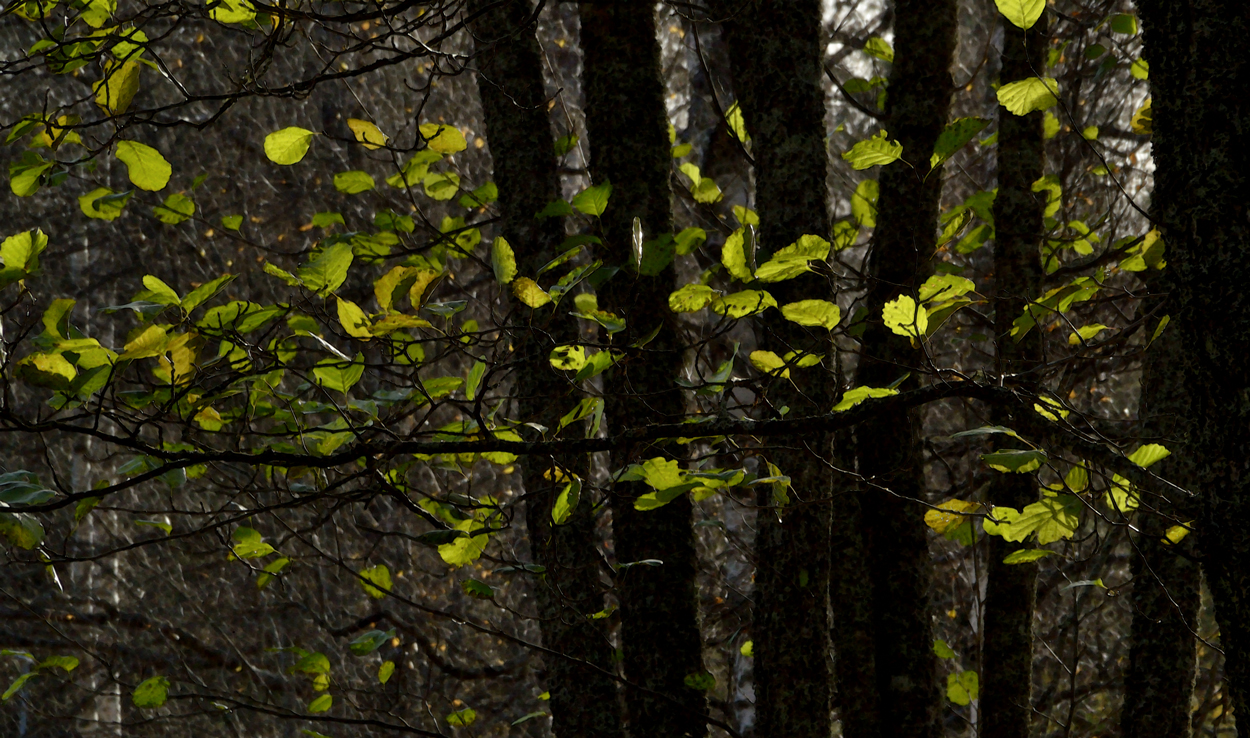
(584, 700)
(775, 61)
(1199, 74)
(628, 129)
(1010, 595)
(888, 447)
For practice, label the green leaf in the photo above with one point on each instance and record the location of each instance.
(942, 650)
(103, 204)
(176, 209)
(1029, 95)
(794, 260)
(474, 381)
(875, 151)
(1124, 23)
(905, 318)
(327, 271)
(954, 137)
(821, 313)
(1015, 460)
(289, 145)
(375, 579)
(21, 529)
(565, 144)
(853, 397)
(701, 681)
(232, 11)
(231, 222)
(1027, 555)
(443, 139)
(744, 303)
(568, 358)
(414, 170)
(151, 693)
(737, 125)
(691, 298)
(864, 203)
(366, 643)
(385, 671)
(335, 374)
(148, 343)
(1055, 517)
(503, 260)
(733, 255)
(17, 685)
(477, 590)
(593, 200)
(527, 291)
(114, 93)
(26, 175)
(880, 48)
(1149, 454)
(321, 704)
(462, 718)
(353, 182)
(1023, 14)
(205, 292)
(441, 185)
(962, 687)
(148, 170)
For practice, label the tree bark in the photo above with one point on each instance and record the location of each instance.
(584, 699)
(1010, 595)
(628, 129)
(1199, 74)
(775, 62)
(888, 447)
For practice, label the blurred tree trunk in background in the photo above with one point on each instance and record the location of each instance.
(629, 146)
(888, 447)
(775, 55)
(1011, 593)
(584, 699)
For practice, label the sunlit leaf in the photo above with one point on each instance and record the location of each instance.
(289, 145)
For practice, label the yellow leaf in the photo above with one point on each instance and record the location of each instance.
(151, 342)
(443, 139)
(949, 514)
(354, 320)
(528, 292)
(115, 92)
(367, 133)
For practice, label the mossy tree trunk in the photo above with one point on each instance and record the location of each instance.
(584, 699)
(888, 447)
(775, 57)
(1199, 73)
(628, 129)
(1010, 594)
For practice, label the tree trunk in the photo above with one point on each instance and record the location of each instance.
(775, 61)
(1199, 74)
(1010, 595)
(888, 446)
(584, 700)
(628, 128)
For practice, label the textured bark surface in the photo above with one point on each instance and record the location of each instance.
(1201, 118)
(628, 129)
(1010, 595)
(584, 699)
(888, 447)
(775, 61)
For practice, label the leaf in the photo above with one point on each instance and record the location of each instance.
(385, 671)
(744, 303)
(880, 48)
(904, 317)
(232, 11)
(231, 222)
(375, 579)
(1055, 517)
(150, 342)
(1149, 454)
(820, 313)
(691, 298)
(853, 397)
(462, 718)
(875, 151)
(962, 687)
(733, 255)
(289, 145)
(327, 271)
(22, 530)
(353, 320)
(949, 514)
(114, 93)
(441, 185)
(367, 133)
(338, 375)
(1124, 23)
(443, 138)
(568, 358)
(527, 291)
(414, 170)
(1027, 555)
(593, 200)
(1015, 460)
(26, 175)
(474, 381)
(737, 124)
(942, 650)
(954, 137)
(17, 685)
(321, 704)
(864, 203)
(566, 502)
(147, 169)
(103, 204)
(477, 590)
(176, 209)
(368, 642)
(1142, 122)
(1085, 333)
(353, 182)
(1177, 533)
(503, 260)
(1029, 95)
(151, 693)
(1022, 13)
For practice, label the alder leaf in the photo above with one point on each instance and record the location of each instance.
(148, 170)
(1029, 95)
(289, 145)
(1022, 13)
(875, 151)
